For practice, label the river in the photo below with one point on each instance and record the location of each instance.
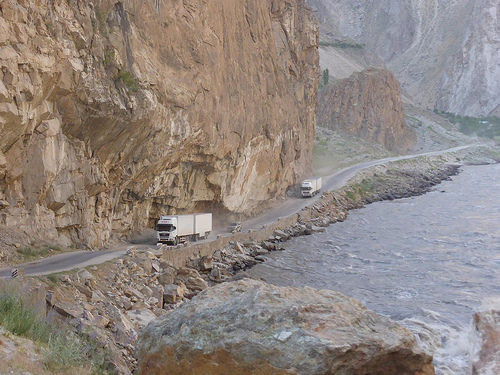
(428, 262)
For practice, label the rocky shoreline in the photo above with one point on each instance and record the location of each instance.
(114, 301)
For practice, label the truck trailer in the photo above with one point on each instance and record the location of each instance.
(310, 187)
(176, 229)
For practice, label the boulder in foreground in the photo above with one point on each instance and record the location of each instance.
(250, 327)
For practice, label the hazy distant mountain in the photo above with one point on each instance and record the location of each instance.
(446, 53)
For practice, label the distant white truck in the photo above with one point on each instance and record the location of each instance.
(176, 229)
(310, 187)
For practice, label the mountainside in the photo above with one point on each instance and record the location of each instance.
(113, 113)
(446, 54)
(368, 105)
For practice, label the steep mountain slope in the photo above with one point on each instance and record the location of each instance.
(113, 113)
(445, 53)
(367, 104)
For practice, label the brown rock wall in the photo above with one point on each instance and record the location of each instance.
(367, 104)
(113, 113)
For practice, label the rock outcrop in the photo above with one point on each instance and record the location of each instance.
(487, 326)
(115, 112)
(446, 55)
(367, 104)
(249, 327)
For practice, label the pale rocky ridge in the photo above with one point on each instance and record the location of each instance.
(446, 54)
(113, 113)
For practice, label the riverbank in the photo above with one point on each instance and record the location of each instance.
(113, 301)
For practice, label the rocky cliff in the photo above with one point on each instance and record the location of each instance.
(446, 55)
(115, 112)
(367, 104)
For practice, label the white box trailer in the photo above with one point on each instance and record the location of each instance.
(310, 187)
(176, 229)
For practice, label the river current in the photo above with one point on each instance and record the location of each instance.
(428, 262)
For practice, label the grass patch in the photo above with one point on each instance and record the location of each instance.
(342, 44)
(127, 79)
(415, 121)
(109, 57)
(31, 253)
(101, 18)
(61, 347)
(486, 127)
(359, 191)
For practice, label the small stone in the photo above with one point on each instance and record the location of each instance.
(172, 293)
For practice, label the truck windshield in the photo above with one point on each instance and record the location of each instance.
(165, 227)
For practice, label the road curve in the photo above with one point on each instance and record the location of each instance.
(83, 258)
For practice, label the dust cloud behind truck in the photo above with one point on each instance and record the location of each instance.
(310, 187)
(175, 229)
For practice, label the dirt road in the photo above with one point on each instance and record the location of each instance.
(79, 259)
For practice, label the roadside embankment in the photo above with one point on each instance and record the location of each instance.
(114, 301)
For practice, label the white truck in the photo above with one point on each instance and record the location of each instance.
(310, 187)
(176, 229)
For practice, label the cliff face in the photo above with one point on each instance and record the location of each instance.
(113, 113)
(367, 104)
(446, 55)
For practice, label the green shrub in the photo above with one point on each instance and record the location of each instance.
(127, 79)
(30, 253)
(109, 57)
(63, 349)
(341, 44)
(486, 127)
(101, 21)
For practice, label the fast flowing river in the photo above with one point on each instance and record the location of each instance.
(428, 262)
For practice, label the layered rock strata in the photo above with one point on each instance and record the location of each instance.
(367, 104)
(249, 327)
(115, 112)
(446, 54)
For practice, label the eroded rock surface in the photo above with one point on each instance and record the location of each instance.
(113, 113)
(249, 327)
(367, 104)
(446, 54)
(487, 325)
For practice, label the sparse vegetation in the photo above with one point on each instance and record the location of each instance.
(326, 77)
(109, 57)
(127, 79)
(61, 347)
(487, 127)
(101, 21)
(31, 253)
(359, 191)
(341, 44)
(413, 120)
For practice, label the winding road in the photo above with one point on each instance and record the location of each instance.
(79, 259)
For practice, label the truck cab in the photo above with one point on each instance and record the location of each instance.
(306, 188)
(166, 230)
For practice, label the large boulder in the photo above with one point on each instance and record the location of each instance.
(250, 327)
